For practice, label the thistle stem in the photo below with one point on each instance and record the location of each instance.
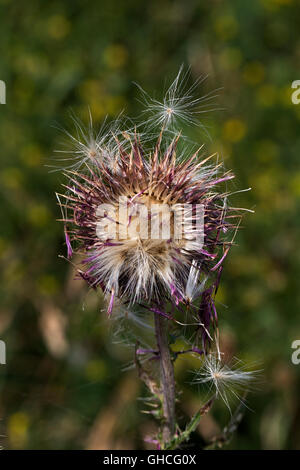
(167, 382)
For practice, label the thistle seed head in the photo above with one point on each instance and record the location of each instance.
(227, 380)
(148, 219)
(138, 223)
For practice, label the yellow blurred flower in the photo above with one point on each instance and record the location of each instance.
(266, 95)
(234, 130)
(115, 56)
(266, 150)
(96, 370)
(294, 184)
(91, 90)
(100, 102)
(265, 183)
(14, 271)
(247, 264)
(285, 96)
(266, 186)
(253, 296)
(276, 280)
(12, 178)
(18, 425)
(32, 64)
(230, 58)
(31, 155)
(253, 73)
(275, 4)
(3, 246)
(58, 26)
(114, 104)
(92, 93)
(226, 27)
(47, 284)
(221, 295)
(38, 215)
(283, 201)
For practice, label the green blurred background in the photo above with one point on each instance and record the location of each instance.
(63, 385)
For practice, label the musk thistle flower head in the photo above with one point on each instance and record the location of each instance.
(146, 222)
(147, 215)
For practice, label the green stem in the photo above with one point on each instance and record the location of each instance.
(167, 381)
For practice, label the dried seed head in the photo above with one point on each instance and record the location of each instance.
(225, 379)
(140, 226)
(148, 219)
(180, 104)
